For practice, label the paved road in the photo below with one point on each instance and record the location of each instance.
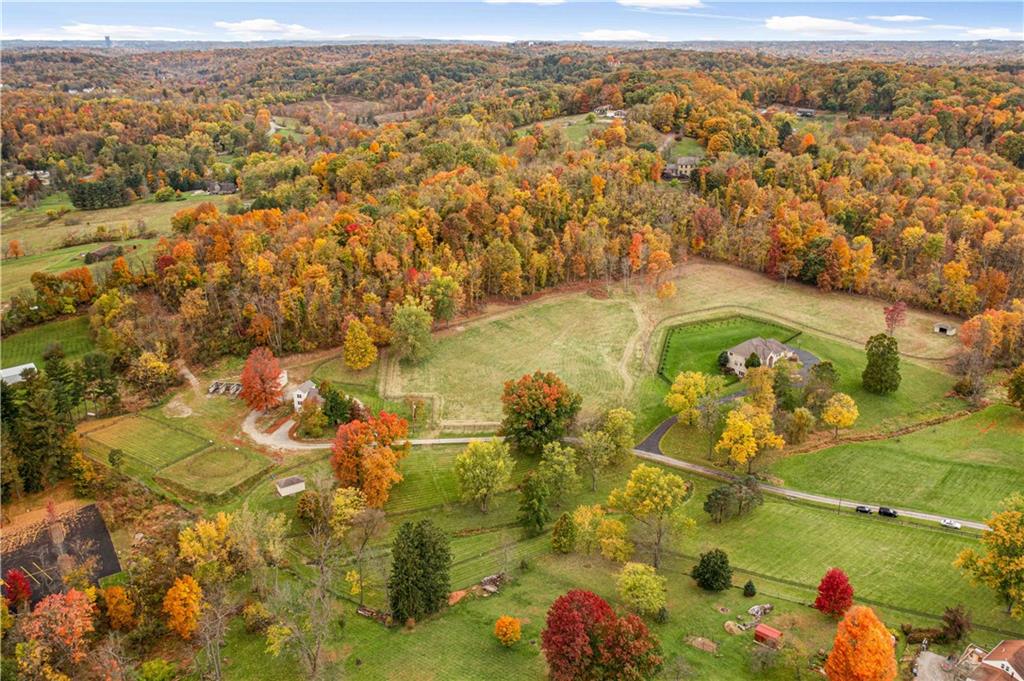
(280, 440)
(791, 493)
(649, 449)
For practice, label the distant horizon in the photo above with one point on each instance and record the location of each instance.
(510, 21)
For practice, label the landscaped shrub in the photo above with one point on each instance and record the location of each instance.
(507, 630)
(749, 590)
(157, 670)
(713, 572)
(307, 506)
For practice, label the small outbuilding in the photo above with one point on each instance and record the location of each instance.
(13, 375)
(945, 329)
(293, 484)
(768, 636)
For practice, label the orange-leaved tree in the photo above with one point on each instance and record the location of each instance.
(864, 650)
(261, 384)
(364, 457)
(183, 604)
(507, 630)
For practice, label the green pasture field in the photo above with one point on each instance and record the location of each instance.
(30, 344)
(146, 440)
(961, 468)
(215, 470)
(581, 339)
(576, 127)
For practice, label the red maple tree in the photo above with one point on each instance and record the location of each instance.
(583, 638)
(261, 384)
(17, 588)
(895, 316)
(835, 595)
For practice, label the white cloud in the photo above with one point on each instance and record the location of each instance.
(662, 4)
(897, 18)
(485, 37)
(86, 31)
(947, 27)
(620, 34)
(995, 33)
(265, 29)
(524, 2)
(829, 28)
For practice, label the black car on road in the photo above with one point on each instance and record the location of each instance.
(888, 512)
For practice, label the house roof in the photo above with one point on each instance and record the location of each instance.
(762, 347)
(688, 160)
(306, 386)
(12, 375)
(1012, 652)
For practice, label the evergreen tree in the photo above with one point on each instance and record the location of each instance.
(421, 560)
(100, 382)
(882, 373)
(713, 572)
(534, 512)
(65, 383)
(40, 435)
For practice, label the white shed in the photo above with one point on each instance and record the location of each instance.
(945, 329)
(293, 484)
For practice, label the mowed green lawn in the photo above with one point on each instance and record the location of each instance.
(960, 468)
(921, 394)
(215, 470)
(30, 344)
(17, 272)
(687, 146)
(696, 346)
(145, 440)
(581, 339)
(576, 127)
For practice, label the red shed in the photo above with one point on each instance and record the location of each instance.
(768, 635)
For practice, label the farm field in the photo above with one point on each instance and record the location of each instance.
(961, 468)
(581, 339)
(215, 470)
(17, 272)
(783, 547)
(37, 233)
(30, 344)
(149, 442)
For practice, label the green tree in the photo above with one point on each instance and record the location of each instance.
(115, 457)
(882, 373)
(444, 294)
(713, 572)
(1000, 566)
(557, 468)
(482, 469)
(619, 425)
(652, 496)
(40, 435)
(563, 534)
(65, 383)
(752, 362)
(594, 454)
(410, 329)
(534, 511)
(421, 560)
(641, 588)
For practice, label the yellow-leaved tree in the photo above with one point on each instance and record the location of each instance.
(686, 392)
(360, 352)
(840, 412)
(748, 432)
(1000, 567)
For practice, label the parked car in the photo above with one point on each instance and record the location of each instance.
(952, 524)
(887, 512)
(864, 509)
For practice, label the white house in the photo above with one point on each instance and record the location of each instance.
(307, 391)
(12, 375)
(1004, 663)
(768, 350)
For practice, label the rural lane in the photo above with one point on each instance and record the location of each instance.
(649, 449)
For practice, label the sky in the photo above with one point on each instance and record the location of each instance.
(509, 20)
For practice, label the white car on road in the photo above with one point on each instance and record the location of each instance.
(952, 524)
